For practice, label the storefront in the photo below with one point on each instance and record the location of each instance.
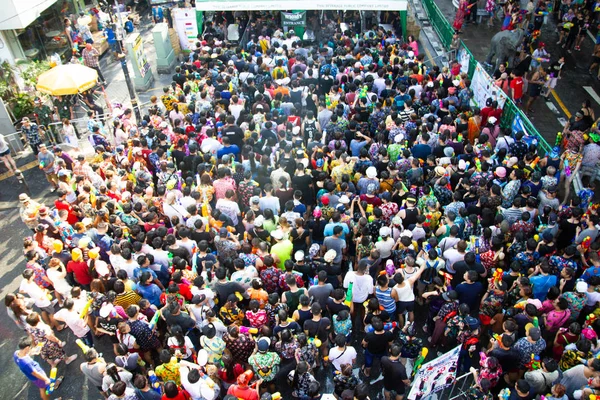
(37, 31)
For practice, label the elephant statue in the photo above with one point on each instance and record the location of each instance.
(504, 45)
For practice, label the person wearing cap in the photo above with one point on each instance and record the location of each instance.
(282, 248)
(265, 363)
(28, 211)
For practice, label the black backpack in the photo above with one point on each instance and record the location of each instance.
(429, 273)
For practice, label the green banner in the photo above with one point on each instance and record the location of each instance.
(293, 19)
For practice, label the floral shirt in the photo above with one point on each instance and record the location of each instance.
(231, 315)
(527, 259)
(447, 309)
(525, 349)
(264, 365)
(559, 263)
(270, 279)
(492, 305)
(411, 347)
(576, 302)
(168, 372)
(39, 273)
(509, 192)
(443, 194)
(257, 319)
(245, 191)
(222, 185)
(342, 327)
(214, 347)
(241, 347)
(287, 350)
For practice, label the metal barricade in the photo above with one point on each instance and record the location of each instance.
(457, 390)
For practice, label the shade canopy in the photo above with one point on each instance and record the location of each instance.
(67, 79)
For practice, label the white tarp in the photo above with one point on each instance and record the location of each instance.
(260, 5)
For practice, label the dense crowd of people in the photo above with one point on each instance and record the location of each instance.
(284, 210)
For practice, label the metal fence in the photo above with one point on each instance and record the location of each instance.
(439, 22)
(455, 391)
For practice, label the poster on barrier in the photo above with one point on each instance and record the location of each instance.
(463, 58)
(436, 375)
(484, 88)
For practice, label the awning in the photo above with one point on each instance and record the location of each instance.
(267, 5)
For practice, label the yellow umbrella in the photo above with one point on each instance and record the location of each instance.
(67, 79)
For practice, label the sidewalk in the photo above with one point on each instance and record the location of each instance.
(574, 87)
(116, 92)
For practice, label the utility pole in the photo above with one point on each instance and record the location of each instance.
(123, 60)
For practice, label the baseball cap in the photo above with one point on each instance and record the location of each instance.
(263, 344)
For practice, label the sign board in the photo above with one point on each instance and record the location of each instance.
(484, 88)
(186, 25)
(436, 375)
(139, 56)
(269, 5)
(293, 19)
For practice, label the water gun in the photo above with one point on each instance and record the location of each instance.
(536, 322)
(42, 164)
(52, 384)
(478, 164)
(154, 320)
(534, 363)
(86, 309)
(316, 341)
(327, 101)
(497, 277)
(387, 327)
(154, 381)
(170, 258)
(251, 331)
(209, 382)
(589, 320)
(363, 91)
(585, 244)
(314, 281)
(559, 138)
(348, 300)
(448, 277)
(567, 168)
(84, 347)
(420, 359)
(504, 394)
(239, 296)
(276, 396)
(535, 162)
(497, 337)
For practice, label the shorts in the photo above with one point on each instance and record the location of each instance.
(403, 306)
(49, 309)
(5, 153)
(52, 178)
(39, 383)
(399, 390)
(370, 357)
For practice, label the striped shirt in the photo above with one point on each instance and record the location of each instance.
(386, 300)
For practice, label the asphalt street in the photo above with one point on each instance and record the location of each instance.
(575, 86)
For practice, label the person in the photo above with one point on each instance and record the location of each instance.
(90, 59)
(46, 163)
(6, 157)
(31, 368)
(395, 379)
(69, 134)
(32, 134)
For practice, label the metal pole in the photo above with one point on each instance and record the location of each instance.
(123, 57)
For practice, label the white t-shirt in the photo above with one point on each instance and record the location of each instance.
(35, 292)
(452, 256)
(73, 321)
(385, 247)
(362, 288)
(210, 295)
(339, 357)
(185, 350)
(229, 208)
(60, 284)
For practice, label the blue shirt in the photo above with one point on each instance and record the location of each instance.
(28, 366)
(329, 229)
(541, 285)
(151, 293)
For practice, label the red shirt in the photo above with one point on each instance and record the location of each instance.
(517, 86)
(181, 395)
(72, 217)
(81, 271)
(246, 393)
